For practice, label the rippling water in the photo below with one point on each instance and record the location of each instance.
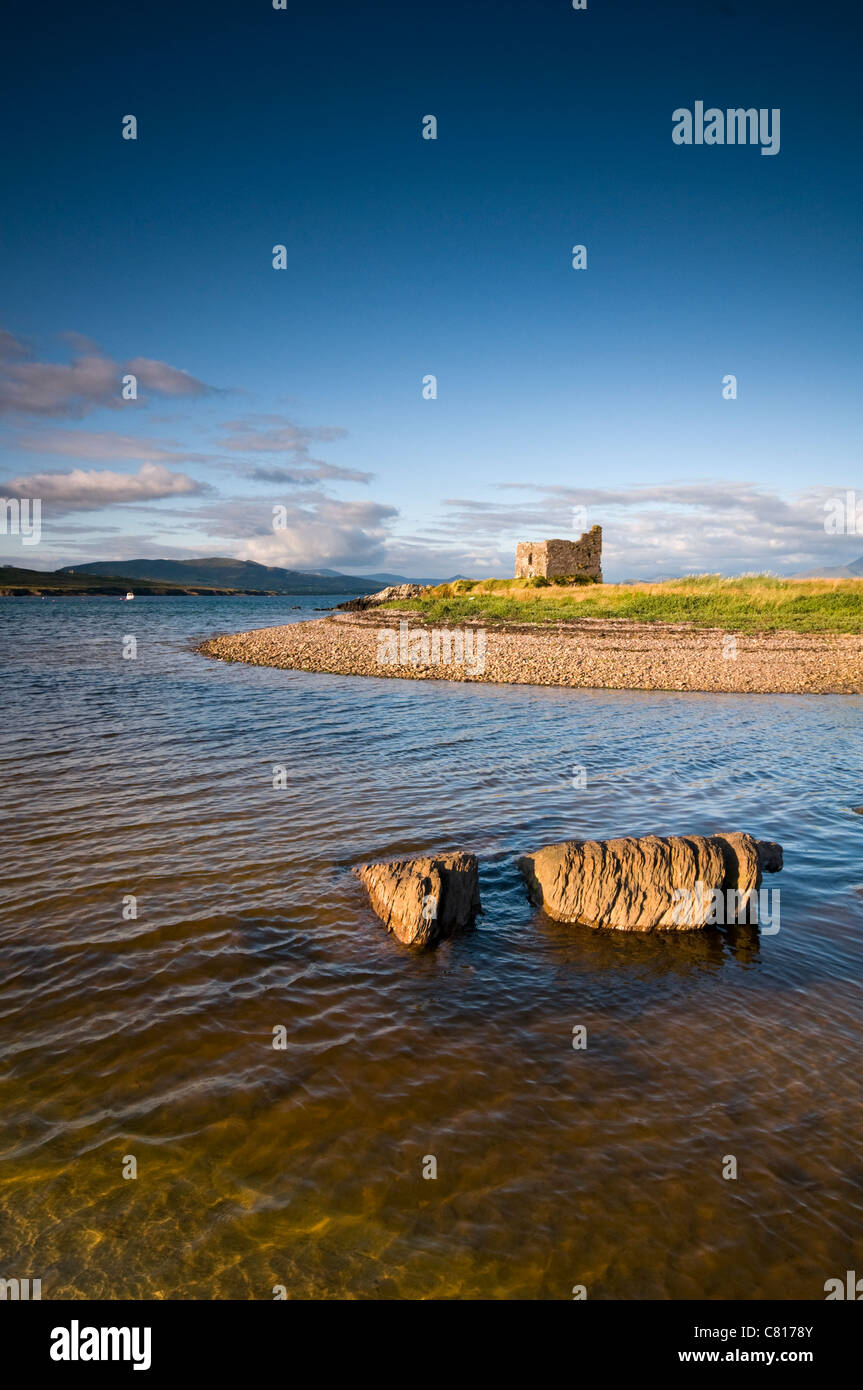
(152, 1037)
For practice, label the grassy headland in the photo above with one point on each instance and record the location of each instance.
(747, 604)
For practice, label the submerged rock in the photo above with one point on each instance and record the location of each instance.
(423, 900)
(649, 883)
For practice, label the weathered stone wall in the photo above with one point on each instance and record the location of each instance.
(561, 559)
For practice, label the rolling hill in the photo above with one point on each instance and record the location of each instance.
(223, 572)
(16, 581)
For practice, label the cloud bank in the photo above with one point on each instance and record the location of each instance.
(91, 381)
(92, 488)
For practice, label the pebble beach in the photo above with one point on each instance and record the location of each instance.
(614, 654)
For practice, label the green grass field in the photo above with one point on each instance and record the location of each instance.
(750, 603)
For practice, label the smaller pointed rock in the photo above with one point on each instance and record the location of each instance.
(423, 900)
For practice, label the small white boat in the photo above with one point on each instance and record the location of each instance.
(129, 595)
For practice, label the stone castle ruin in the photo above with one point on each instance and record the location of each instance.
(561, 559)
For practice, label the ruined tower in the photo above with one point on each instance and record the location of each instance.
(561, 559)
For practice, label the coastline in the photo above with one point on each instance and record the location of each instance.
(591, 653)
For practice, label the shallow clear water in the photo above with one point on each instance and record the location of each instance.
(152, 1037)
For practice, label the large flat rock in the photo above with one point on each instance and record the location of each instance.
(648, 884)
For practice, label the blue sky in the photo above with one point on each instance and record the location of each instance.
(558, 389)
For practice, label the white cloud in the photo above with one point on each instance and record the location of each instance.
(90, 381)
(165, 380)
(313, 471)
(102, 445)
(271, 434)
(323, 532)
(88, 489)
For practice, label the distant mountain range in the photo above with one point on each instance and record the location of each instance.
(223, 572)
(17, 581)
(853, 570)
